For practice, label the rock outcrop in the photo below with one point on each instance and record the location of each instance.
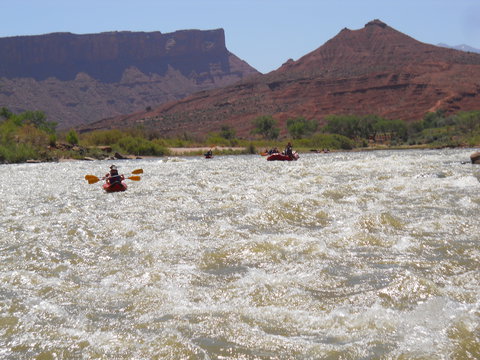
(475, 158)
(374, 70)
(77, 79)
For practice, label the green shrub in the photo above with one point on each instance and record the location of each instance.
(266, 126)
(217, 140)
(140, 146)
(52, 140)
(300, 127)
(102, 137)
(331, 141)
(473, 140)
(228, 132)
(17, 153)
(72, 137)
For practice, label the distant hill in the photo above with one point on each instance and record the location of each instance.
(77, 79)
(461, 47)
(374, 70)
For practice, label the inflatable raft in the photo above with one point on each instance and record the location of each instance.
(282, 157)
(115, 187)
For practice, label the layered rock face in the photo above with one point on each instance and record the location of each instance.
(374, 70)
(77, 79)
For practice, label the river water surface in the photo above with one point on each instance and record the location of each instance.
(370, 255)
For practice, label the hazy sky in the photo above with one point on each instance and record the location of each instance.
(264, 33)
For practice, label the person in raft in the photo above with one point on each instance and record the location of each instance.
(289, 150)
(113, 177)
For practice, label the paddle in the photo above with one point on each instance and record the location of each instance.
(92, 179)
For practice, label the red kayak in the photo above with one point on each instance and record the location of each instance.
(282, 157)
(115, 187)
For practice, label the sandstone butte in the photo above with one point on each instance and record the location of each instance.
(373, 70)
(77, 79)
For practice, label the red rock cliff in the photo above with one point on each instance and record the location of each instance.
(106, 56)
(373, 70)
(82, 78)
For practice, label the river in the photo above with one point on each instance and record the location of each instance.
(362, 255)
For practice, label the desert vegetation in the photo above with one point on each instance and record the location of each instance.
(353, 131)
(30, 136)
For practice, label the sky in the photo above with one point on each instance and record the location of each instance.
(264, 33)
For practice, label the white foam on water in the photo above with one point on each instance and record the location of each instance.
(360, 255)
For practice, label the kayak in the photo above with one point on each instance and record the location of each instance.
(282, 157)
(116, 187)
(208, 156)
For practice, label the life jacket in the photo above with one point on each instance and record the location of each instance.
(114, 177)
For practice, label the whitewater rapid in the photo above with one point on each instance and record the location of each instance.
(368, 255)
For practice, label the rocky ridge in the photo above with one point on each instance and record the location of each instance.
(373, 70)
(77, 79)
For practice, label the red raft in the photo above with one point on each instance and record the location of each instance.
(115, 187)
(282, 157)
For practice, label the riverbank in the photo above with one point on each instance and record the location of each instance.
(217, 150)
(195, 150)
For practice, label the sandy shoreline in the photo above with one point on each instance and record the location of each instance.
(186, 150)
(177, 151)
(194, 151)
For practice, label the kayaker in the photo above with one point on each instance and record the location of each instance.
(113, 177)
(289, 150)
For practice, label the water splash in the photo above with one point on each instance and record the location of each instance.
(353, 255)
